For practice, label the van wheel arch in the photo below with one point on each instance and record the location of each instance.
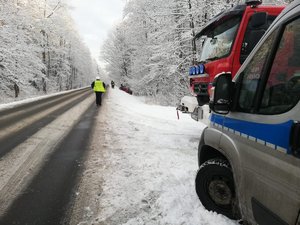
(207, 152)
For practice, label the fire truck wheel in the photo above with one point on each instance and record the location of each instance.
(215, 188)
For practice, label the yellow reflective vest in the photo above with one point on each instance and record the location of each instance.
(98, 86)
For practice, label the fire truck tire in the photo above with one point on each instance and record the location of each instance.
(215, 188)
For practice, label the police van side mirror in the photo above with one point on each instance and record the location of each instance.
(222, 94)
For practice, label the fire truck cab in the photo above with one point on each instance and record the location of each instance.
(226, 41)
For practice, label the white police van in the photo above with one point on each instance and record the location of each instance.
(249, 155)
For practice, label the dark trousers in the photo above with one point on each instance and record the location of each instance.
(98, 98)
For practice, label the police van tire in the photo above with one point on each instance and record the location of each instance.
(215, 187)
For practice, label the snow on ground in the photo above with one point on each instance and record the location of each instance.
(141, 167)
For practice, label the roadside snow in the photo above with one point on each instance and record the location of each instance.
(141, 167)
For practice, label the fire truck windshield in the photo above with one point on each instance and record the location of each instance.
(218, 40)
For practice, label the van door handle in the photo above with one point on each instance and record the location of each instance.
(295, 139)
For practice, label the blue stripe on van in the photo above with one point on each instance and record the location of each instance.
(276, 134)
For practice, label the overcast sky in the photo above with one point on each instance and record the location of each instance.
(94, 18)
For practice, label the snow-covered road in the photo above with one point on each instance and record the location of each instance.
(141, 167)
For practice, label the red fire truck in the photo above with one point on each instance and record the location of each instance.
(226, 41)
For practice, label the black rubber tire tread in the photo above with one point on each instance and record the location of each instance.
(210, 168)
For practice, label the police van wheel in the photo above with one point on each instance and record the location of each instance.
(215, 187)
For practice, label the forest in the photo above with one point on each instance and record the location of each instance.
(40, 50)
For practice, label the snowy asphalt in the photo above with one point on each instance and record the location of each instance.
(37, 175)
(47, 198)
(15, 138)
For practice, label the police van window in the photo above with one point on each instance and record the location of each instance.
(250, 77)
(282, 90)
(253, 34)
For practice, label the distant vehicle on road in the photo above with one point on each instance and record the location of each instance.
(126, 89)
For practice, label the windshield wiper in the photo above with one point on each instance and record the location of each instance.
(213, 58)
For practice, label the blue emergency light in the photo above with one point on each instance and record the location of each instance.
(195, 70)
(201, 68)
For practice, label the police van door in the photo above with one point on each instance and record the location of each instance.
(267, 110)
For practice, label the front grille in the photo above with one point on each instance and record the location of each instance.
(201, 89)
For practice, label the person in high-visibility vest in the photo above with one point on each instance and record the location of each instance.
(99, 88)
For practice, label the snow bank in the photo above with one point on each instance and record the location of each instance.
(142, 166)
